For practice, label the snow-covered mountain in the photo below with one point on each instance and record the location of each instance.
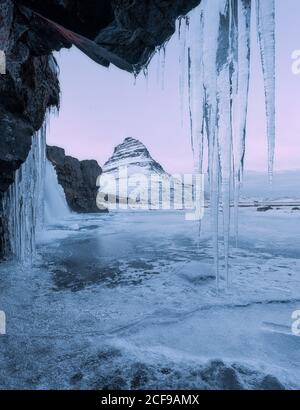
(131, 172)
(134, 155)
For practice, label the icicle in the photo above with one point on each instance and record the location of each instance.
(190, 96)
(146, 76)
(210, 30)
(182, 65)
(207, 58)
(158, 68)
(224, 137)
(240, 43)
(183, 28)
(218, 78)
(196, 89)
(179, 28)
(196, 92)
(163, 67)
(214, 202)
(265, 10)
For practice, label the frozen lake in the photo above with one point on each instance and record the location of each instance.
(128, 300)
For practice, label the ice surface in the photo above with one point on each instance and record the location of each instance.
(127, 300)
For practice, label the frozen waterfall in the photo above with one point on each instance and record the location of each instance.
(33, 200)
(24, 201)
(56, 207)
(218, 64)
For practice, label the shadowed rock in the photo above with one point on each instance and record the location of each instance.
(78, 179)
(264, 208)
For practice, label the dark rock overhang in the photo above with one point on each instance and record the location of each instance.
(130, 30)
(123, 32)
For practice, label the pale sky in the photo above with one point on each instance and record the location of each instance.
(100, 107)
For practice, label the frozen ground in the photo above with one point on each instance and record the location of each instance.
(129, 301)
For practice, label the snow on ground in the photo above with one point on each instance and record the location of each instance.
(128, 300)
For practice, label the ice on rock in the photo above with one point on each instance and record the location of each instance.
(219, 70)
(24, 201)
(33, 200)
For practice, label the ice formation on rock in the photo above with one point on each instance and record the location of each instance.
(24, 201)
(33, 200)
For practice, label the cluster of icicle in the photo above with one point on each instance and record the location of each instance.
(216, 46)
(23, 202)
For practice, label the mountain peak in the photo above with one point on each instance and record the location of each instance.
(130, 139)
(133, 154)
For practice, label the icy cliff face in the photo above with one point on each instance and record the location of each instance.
(218, 60)
(134, 155)
(24, 202)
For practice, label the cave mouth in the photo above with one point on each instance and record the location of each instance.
(120, 32)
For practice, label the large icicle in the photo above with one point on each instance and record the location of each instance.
(183, 30)
(241, 25)
(196, 89)
(203, 94)
(206, 75)
(265, 10)
(224, 124)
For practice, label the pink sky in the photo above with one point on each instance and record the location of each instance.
(100, 107)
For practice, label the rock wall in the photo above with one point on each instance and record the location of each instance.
(29, 87)
(78, 179)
